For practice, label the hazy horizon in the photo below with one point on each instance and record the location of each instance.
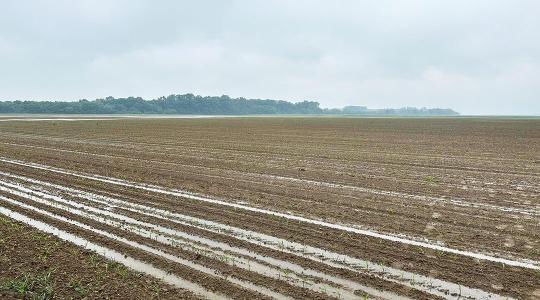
(478, 58)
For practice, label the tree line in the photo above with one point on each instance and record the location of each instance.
(189, 104)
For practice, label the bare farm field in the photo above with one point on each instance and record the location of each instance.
(259, 208)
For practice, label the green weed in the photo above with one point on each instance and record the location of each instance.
(30, 287)
(78, 287)
(432, 179)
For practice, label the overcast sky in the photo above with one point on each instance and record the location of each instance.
(478, 57)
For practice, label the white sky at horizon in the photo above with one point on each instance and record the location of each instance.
(477, 57)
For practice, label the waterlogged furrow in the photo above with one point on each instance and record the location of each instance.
(501, 188)
(399, 195)
(426, 284)
(113, 255)
(456, 202)
(168, 236)
(151, 250)
(185, 194)
(147, 234)
(290, 268)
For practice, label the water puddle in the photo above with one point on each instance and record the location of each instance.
(163, 235)
(134, 244)
(202, 198)
(113, 255)
(427, 284)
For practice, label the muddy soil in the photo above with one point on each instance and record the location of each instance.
(61, 270)
(466, 184)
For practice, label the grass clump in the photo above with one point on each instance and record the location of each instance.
(432, 179)
(8, 222)
(29, 286)
(79, 288)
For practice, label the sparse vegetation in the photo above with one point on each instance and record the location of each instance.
(29, 286)
(78, 287)
(432, 179)
(71, 272)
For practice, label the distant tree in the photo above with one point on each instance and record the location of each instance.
(199, 105)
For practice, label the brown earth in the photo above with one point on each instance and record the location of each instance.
(383, 168)
(50, 267)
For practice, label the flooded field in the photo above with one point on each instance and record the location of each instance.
(288, 208)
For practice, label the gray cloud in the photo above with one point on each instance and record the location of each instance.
(479, 57)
